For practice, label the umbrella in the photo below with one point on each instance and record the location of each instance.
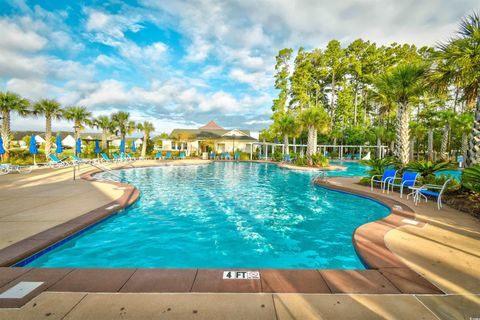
(2, 150)
(58, 142)
(78, 148)
(97, 146)
(122, 146)
(33, 148)
(134, 147)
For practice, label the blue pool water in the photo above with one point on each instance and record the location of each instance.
(225, 215)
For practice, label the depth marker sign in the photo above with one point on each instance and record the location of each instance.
(241, 275)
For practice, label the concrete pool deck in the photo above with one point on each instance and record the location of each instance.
(448, 257)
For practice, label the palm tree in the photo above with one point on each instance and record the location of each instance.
(147, 128)
(80, 117)
(285, 125)
(122, 124)
(11, 102)
(446, 118)
(462, 55)
(104, 123)
(314, 119)
(51, 109)
(402, 85)
(463, 124)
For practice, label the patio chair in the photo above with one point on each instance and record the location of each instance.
(124, 157)
(408, 179)
(237, 156)
(158, 156)
(132, 158)
(385, 178)
(212, 156)
(427, 190)
(358, 157)
(168, 156)
(117, 158)
(78, 160)
(57, 163)
(348, 157)
(105, 157)
(286, 158)
(7, 168)
(182, 155)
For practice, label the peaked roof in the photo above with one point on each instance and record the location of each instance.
(211, 125)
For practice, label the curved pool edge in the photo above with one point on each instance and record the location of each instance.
(387, 274)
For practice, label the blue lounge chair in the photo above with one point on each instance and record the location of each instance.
(182, 155)
(168, 156)
(78, 160)
(348, 157)
(158, 156)
(237, 156)
(385, 178)
(129, 156)
(124, 157)
(105, 157)
(227, 156)
(427, 190)
(286, 158)
(55, 162)
(408, 179)
(6, 168)
(357, 156)
(212, 156)
(117, 157)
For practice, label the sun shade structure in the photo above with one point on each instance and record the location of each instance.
(2, 149)
(134, 148)
(78, 148)
(33, 148)
(58, 142)
(122, 146)
(97, 146)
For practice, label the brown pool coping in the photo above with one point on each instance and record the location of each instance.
(387, 273)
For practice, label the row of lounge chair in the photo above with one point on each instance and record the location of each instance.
(6, 168)
(168, 156)
(55, 162)
(389, 180)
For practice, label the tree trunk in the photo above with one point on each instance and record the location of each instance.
(396, 152)
(355, 102)
(310, 144)
(464, 145)
(332, 106)
(285, 144)
(379, 151)
(104, 140)
(403, 138)
(473, 154)
(144, 145)
(430, 144)
(48, 135)
(6, 134)
(412, 149)
(443, 147)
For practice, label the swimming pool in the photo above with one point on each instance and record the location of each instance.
(223, 215)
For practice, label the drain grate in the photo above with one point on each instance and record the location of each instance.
(20, 290)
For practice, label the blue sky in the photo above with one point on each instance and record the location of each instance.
(182, 63)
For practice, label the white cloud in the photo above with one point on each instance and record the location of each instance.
(14, 38)
(257, 80)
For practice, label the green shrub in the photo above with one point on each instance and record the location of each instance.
(278, 155)
(301, 161)
(428, 168)
(378, 166)
(471, 178)
(319, 160)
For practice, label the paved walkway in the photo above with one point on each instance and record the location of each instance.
(446, 251)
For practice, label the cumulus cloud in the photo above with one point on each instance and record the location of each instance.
(221, 67)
